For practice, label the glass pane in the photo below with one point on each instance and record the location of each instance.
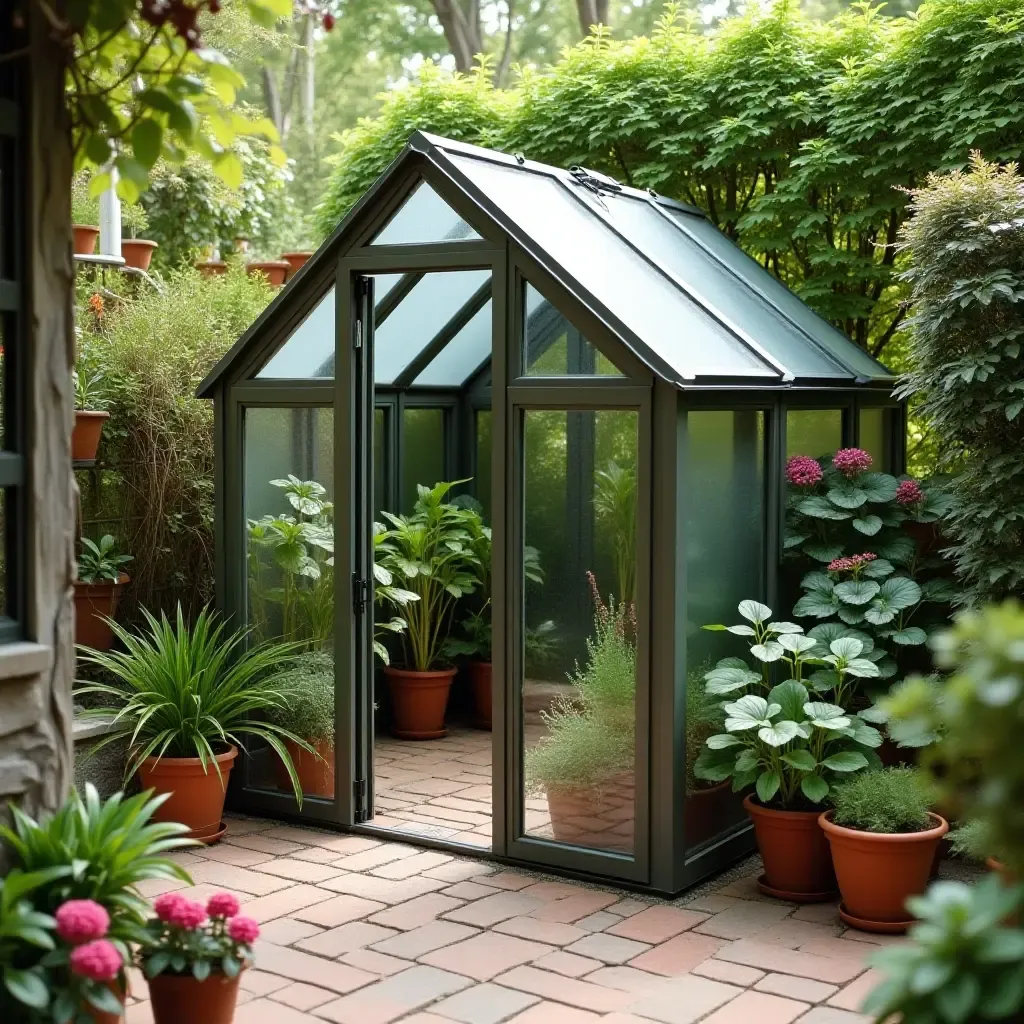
(778, 294)
(4, 595)
(578, 693)
(482, 477)
(673, 326)
(725, 535)
(690, 263)
(554, 348)
(420, 316)
(380, 461)
(424, 217)
(813, 432)
(309, 350)
(873, 437)
(463, 355)
(288, 495)
(423, 454)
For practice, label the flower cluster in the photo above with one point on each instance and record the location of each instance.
(172, 908)
(83, 925)
(909, 493)
(803, 471)
(852, 564)
(851, 461)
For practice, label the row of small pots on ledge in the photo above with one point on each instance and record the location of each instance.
(137, 252)
(277, 272)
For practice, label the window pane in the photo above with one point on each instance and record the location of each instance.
(309, 350)
(294, 603)
(554, 348)
(423, 460)
(578, 693)
(482, 478)
(813, 432)
(424, 217)
(380, 462)
(873, 437)
(463, 355)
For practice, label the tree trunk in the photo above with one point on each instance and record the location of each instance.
(591, 13)
(462, 31)
(308, 99)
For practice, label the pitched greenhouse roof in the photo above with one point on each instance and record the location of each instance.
(687, 301)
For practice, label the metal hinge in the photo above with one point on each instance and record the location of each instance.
(360, 593)
(359, 791)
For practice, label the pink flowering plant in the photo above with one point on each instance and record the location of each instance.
(186, 937)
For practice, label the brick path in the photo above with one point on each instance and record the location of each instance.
(357, 931)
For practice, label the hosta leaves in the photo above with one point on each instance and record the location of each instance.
(814, 787)
(878, 487)
(823, 552)
(851, 614)
(878, 569)
(845, 498)
(790, 697)
(797, 643)
(900, 550)
(767, 786)
(846, 647)
(740, 630)
(868, 525)
(845, 761)
(727, 680)
(861, 668)
(784, 627)
(722, 741)
(826, 716)
(768, 652)
(819, 582)
(816, 605)
(748, 712)
(778, 734)
(856, 591)
(867, 736)
(754, 611)
(910, 637)
(802, 760)
(899, 592)
(822, 508)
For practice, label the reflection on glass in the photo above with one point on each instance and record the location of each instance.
(872, 437)
(578, 689)
(482, 477)
(289, 512)
(424, 217)
(309, 351)
(380, 465)
(423, 461)
(554, 348)
(813, 432)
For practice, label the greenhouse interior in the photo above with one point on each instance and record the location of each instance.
(491, 460)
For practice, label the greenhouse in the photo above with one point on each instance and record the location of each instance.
(491, 459)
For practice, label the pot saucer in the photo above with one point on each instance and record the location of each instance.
(879, 927)
(794, 897)
(215, 837)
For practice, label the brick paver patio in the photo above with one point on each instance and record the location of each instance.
(358, 931)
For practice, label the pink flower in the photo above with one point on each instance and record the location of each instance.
(851, 461)
(243, 929)
(803, 471)
(98, 960)
(851, 563)
(222, 904)
(81, 921)
(165, 906)
(909, 492)
(188, 915)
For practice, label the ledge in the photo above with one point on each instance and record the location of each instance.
(90, 728)
(22, 659)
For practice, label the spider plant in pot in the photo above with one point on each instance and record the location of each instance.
(97, 590)
(884, 840)
(430, 555)
(90, 414)
(182, 696)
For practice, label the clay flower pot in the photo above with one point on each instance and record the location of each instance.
(598, 817)
(137, 252)
(797, 862)
(85, 437)
(706, 812)
(177, 998)
(418, 702)
(480, 687)
(316, 774)
(274, 271)
(197, 796)
(877, 872)
(84, 239)
(211, 268)
(296, 261)
(94, 603)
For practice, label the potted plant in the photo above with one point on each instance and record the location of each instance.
(428, 554)
(137, 252)
(181, 698)
(972, 839)
(90, 415)
(85, 216)
(275, 271)
(884, 840)
(192, 957)
(296, 261)
(97, 591)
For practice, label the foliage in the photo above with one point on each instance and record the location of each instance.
(430, 554)
(85, 208)
(308, 706)
(190, 691)
(25, 934)
(966, 249)
(615, 511)
(91, 391)
(133, 220)
(971, 839)
(97, 562)
(703, 718)
(889, 801)
(961, 965)
(388, 595)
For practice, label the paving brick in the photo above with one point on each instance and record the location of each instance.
(833, 1015)
(549, 891)
(796, 988)
(299, 870)
(555, 1013)
(263, 844)
(261, 983)
(844, 949)
(746, 889)
(744, 921)
(318, 855)
(469, 891)
(485, 955)
(385, 890)
(684, 999)
(337, 910)
(569, 964)
(459, 870)
(375, 963)
(267, 1011)
(818, 913)
(425, 939)
(344, 939)
(409, 866)
(678, 955)
(238, 880)
(510, 880)
(237, 855)
(300, 996)
(572, 908)
(385, 853)
(240, 826)
(492, 909)
(580, 994)
(483, 1004)
(626, 979)
(733, 974)
(610, 949)
(797, 934)
(627, 908)
(712, 904)
(314, 970)
(790, 961)
(305, 836)
(656, 924)
(286, 930)
(759, 1007)
(291, 901)
(345, 845)
(392, 998)
(416, 912)
(853, 995)
(598, 922)
(541, 931)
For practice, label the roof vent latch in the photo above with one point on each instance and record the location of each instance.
(595, 181)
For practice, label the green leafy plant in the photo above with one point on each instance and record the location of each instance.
(971, 839)
(386, 594)
(308, 706)
(85, 208)
(98, 562)
(703, 719)
(90, 391)
(889, 801)
(25, 935)
(615, 510)
(189, 691)
(133, 219)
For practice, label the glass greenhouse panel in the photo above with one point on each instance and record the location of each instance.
(813, 432)
(554, 348)
(289, 512)
(873, 436)
(482, 474)
(463, 355)
(423, 456)
(578, 691)
(420, 317)
(673, 326)
(309, 350)
(424, 217)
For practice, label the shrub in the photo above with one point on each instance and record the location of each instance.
(891, 801)
(307, 709)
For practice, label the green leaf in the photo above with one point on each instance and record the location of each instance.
(723, 740)
(727, 680)
(845, 761)
(814, 787)
(229, 168)
(899, 593)
(28, 987)
(826, 716)
(791, 697)
(878, 569)
(878, 487)
(767, 786)
(856, 592)
(768, 652)
(754, 611)
(779, 733)
(868, 525)
(802, 760)
(823, 552)
(820, 508)
(846, 647)
(815, 605)
(957, 999)
(147, 137)
(912, 636)
(846, 497)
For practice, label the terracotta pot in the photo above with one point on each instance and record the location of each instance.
(797, 862)
(94, 603)
(296, 261)
(480, 685)
(85, 438)
(705, 812)
(197, 796)
(274, 271)
(598, 817)
(84, 239)
(316, 776)
(877, 872)
(137, 252)
(177, 998)
(418, 702)
(211, 268)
